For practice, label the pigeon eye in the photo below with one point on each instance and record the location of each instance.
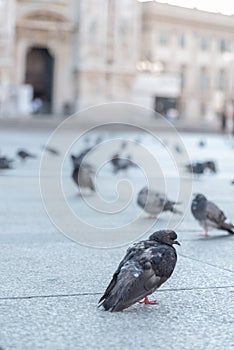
(168, 237)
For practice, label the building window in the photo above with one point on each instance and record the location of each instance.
(183, 76)
(204, 43)
(222, 80)
(181, 40)
(223, 45)
(203, 79)
(163, 37)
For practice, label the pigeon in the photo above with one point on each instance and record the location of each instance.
(196, 168)
(121, 163)
(99, 139)
(123, 145)
(178, 149)
(145, 267)
(199, 168)
(210, 164)
(232, 182)
(154, 202)
(82, 175)
(201, 143)
(52, 150)
(209, 215)
(76, 160)
(23, 154)
(5, 163)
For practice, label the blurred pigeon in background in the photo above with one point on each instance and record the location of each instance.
(77, 160)
(201, 143)
(209, 215)
(52, 150)
(199, 168)
(83, 178)
(154, 202)
(23, 154)
(196, 168)
(82, 174)
(5, 163)
(121, 163)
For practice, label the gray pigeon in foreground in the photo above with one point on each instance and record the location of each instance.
(154, 202)
(209, 215)
(145, 267)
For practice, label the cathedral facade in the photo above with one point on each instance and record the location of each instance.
(73, 54)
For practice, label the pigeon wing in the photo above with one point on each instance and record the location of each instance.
(131, 252)
(214, 214)
(218, 217)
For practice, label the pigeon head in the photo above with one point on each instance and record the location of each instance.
(199, 197)
(211, 166)
(165, 236)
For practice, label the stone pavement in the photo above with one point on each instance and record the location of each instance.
(50, 285)
(150, 120)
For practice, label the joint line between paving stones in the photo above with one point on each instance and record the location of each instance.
(100, 293)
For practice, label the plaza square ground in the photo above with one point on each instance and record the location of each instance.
(50, 284)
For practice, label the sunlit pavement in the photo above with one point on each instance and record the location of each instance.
(50, 285)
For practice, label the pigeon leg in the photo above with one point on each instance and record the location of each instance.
(150, 216)
(205, 234)
(148, 302)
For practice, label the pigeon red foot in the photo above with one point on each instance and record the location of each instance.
(148, 302)
(205, 234)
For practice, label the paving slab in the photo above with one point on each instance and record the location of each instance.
(192, 319)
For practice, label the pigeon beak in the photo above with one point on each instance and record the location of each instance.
(176, 242)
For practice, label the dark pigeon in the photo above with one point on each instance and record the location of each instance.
(145, 267)
(77, 160)
(99, 139)
(82, 174)
(199, 168)
(154, 202)
(121, 163)
(52, 150)
(23, 154)
(211, 166)
(196, 168)
(123, 145)
(201, 143)
(178, 149)
(209, 215)
(5, 163)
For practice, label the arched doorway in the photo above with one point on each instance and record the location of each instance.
(39, 74)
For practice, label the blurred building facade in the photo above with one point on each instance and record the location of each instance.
(65, 55)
